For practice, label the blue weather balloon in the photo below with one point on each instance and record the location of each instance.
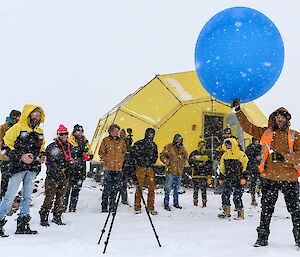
(239, 54)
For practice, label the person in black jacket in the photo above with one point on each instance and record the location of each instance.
(201, 172)
(59, 163)
(253, 153)
(81, 156)
(145, 154)
(128, 165)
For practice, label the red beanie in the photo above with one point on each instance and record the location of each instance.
(62, 129)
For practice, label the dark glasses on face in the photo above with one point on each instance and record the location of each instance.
(63, 134)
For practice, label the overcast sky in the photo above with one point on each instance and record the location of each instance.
(78, 59)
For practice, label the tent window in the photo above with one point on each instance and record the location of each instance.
(213, 129)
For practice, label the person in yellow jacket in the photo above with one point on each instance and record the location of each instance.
(82, 154)
(25, 145)
(175, 157)
(232, 177)
(201, 172)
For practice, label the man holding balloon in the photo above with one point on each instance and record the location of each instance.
(279, 168)
(239, 55)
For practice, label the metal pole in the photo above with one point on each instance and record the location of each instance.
(156, 236)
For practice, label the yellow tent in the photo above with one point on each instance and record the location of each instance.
(176, 103)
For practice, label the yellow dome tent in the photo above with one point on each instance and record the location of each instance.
(176, 103)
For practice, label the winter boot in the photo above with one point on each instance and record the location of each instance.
(296, 233)
(23, 226)
(253, 200)
(2, 223)
(226, 213)
(57, 220)
(204, 202)
(240, 214)
(262, 239)
(167, 207)
(195, 202)
(44, 219)
(177, 206)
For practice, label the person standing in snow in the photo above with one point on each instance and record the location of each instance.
(201, 172)
(233, 166)
(174, 156)
(59, 162)
(253, 153)
(128, 166)
(13, 118)
(25, 147)
(145, 154)
(279, 168)
(82, 154)
(112, 151)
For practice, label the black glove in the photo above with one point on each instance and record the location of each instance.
(236, 105)
(277, 157)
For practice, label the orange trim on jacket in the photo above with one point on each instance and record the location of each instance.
(266, 140)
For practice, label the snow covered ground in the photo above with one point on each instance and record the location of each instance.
(192, 231)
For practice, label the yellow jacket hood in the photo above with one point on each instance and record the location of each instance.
(27, 109)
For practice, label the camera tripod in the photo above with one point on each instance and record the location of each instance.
(113, 212)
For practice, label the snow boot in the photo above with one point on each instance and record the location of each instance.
(177, 206)
(44, 219)
(226, 213)
(2, 223)
(137, 211)
(240, 214)
(253, 200)
(262, 239)
(204, 203)
(153, 212)
(23, 226)
(57, 220)
(195, 202)
(167, 207)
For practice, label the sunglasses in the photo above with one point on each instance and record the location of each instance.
(63, 134)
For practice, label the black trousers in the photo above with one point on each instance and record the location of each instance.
(200, 183)
(254, 178)
(72, 192)
(270, 191)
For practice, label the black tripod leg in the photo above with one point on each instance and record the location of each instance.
(148, 214)
(112, 222)
(103, 230)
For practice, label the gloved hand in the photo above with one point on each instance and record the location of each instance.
(220, 182)
(243, 181)
(86, 157)
(236, 105)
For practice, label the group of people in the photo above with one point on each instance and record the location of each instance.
(23, 153)
(273, 157)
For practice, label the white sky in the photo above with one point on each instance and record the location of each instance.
(78, 59)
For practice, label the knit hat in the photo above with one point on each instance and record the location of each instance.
(14, 114)
(62, 129)
(78, 127)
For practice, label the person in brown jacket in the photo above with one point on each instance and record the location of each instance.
(13, 118)
(279, 168)
(112, 151)
(175, 157)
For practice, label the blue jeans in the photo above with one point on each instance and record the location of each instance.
(28, 178)
(172, 182)
(111, 185)
(237, 196)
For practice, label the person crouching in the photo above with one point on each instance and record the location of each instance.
(233, 165)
